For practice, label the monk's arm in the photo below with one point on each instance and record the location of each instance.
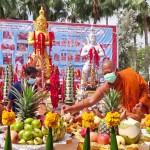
(90, 101)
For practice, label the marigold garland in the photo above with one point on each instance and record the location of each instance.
(8, 117)
(112, 119)
(87, 119)
(147, 120)
(51, 119)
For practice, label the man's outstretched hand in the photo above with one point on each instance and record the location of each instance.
(65, 109)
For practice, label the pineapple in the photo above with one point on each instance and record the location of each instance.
(111, 103)
(28, 101)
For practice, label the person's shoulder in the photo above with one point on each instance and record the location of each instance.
(127, 71)
(17, 84)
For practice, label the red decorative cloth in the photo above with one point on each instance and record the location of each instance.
(93, 54)
(51, 39)
(54, 88)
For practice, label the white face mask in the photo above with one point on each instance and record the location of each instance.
(31, 81)
(110, 77)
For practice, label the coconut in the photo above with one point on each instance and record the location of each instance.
(130, 130)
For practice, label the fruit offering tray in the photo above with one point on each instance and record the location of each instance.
(33, 147)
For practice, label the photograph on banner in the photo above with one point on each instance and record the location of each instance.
(56, 43)
(70, 57)
(8, 35)
(77, 42)
(22, 47)
(77, 58)
(63, 42)
(70, 42)
(22, 36)
(56, 56)
(63, 57)
(7, 58)
(7, 46)
(19, 59)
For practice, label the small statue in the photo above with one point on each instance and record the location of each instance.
(93, 52)
(40, 39)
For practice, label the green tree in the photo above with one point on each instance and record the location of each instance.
(54, 9)
(143, 12)
(8, 9)
(108, 7)
(140, 60)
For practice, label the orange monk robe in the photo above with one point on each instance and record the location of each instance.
(134, 89)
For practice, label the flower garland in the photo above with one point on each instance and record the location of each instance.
(8, 117)
(87, 119)
(51, 119)
(147, 120)
(112, 119)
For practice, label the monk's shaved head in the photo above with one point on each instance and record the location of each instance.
(108, 66)
(108, 63)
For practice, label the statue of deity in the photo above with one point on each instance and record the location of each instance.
(92, 52)
(40, 39)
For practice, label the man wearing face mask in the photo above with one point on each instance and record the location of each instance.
(134, 91)
(30, 75)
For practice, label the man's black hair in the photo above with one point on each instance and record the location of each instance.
(30, 70)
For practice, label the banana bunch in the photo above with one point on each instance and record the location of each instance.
(60, 130)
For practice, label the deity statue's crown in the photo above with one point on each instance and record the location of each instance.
(92, 36)
(41, 15)
(92, 33)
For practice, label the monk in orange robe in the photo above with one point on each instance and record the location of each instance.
(134, 91)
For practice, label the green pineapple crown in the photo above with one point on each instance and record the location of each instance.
(111, 100)
(28, 100)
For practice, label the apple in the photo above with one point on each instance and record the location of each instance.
(27, 127)
(21, 134)
(14, 136)
(36, 123)
(28, 121)
(18, 126)
(103, 139)
(148, 129)
(12, 126)
(27, 135)
(93, 136)
(37, 132)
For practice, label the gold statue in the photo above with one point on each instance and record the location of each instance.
(40, 39)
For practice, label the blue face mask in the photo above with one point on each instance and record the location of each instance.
(110, 77)
(31, 81)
